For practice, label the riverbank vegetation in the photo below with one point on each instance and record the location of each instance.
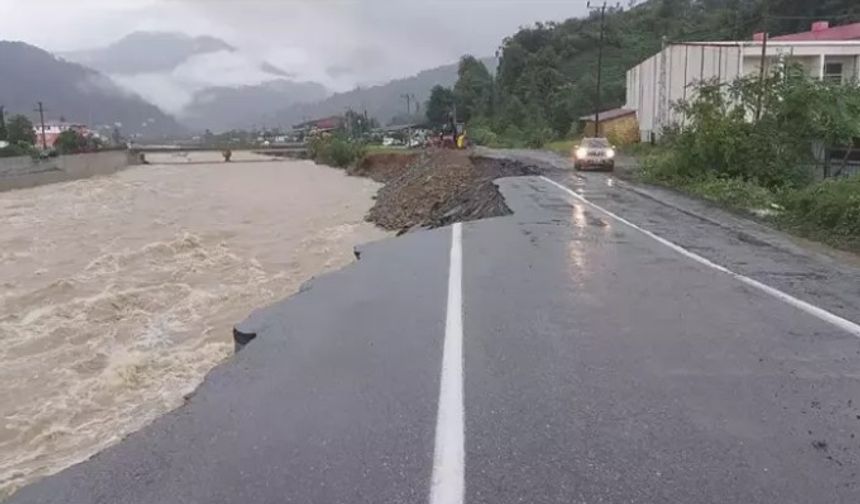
(18, 135)
(336, 150)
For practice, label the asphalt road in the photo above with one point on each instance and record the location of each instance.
(599, 364)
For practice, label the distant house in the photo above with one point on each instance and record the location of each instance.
(653, 86)
(322, 125)
(54, 128)
(618, 125)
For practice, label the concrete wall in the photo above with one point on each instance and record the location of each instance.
(675, 71)
(20, 172)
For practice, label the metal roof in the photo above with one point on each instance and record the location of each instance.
(608, 115)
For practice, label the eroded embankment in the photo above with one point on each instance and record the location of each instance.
(436, 187)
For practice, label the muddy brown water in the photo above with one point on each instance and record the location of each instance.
(118, 293)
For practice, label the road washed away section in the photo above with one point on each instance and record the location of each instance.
(591, 363)
(334, 400)
(119, 292)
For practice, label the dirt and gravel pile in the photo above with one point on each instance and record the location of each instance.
(438, 188)
(384, 167)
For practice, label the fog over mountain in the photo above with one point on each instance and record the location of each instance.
(71, 91)
(169, 69)
(339, 43)
(178, 54)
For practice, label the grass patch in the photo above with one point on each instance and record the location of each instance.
(735, 193)
(639, 149)
(562, 147)
(826, 211)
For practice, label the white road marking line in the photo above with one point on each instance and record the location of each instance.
(820, 313)
(448, 483)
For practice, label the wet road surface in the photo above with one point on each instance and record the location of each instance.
(599, 365)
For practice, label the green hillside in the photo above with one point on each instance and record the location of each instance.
(546, 75)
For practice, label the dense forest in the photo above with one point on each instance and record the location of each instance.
(546, 74)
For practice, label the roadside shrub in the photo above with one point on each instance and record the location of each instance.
(765, 132)
(750, 146)
(335, 151)
(663, 165)
(831, 206)
(735, 192)
(666, 167)
(511, 137)
(535, 137)
(483, 136)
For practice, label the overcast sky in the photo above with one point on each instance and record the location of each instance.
(338, 42)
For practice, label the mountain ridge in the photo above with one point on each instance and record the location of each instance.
(75, 92)
(383, 102)
(146, 51)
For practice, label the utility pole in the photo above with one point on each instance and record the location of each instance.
(408, 98)
(662, 111)
(761, 77)
(602, 9)
(41, 111)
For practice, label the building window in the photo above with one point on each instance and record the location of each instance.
(833, 72)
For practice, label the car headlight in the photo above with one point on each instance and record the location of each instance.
(581, 153)
(610, 153)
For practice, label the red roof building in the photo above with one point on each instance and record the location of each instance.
(821, 30)
(324, 124)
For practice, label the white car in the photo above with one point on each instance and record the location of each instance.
(594, 153)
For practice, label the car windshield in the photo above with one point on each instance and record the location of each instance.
(429, 251)
(596, 143)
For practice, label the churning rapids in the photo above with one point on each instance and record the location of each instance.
(118, 293)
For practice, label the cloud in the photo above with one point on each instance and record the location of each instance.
(160, 89)
(337, 71)
(99, 84)
(339, 43)
(411, 34)
(173, 91)
(272, 69)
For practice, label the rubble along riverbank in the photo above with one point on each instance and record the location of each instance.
(435, 187)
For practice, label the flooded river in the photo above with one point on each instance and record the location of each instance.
(118, 294)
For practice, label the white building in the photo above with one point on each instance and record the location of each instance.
(671, 75)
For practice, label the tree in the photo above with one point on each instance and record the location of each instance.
(473, 91)
(70, 142)
(19, 129)
(2, 124)
(358, 125)
(440, 106)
